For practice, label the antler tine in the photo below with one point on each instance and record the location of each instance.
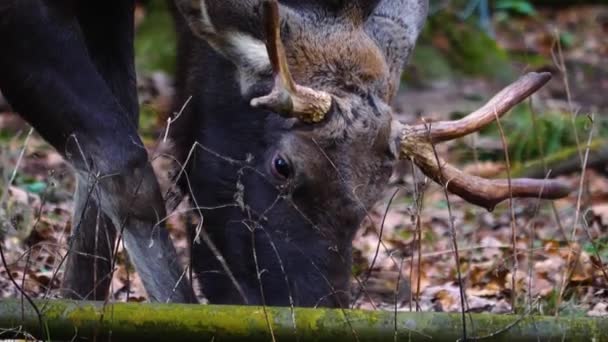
(288, 98)
(499, 105)
(416, 142)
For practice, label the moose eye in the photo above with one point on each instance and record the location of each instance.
(280, 168)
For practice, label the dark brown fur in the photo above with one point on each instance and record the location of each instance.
(301, 228)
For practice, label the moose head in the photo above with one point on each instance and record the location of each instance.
(311, 119)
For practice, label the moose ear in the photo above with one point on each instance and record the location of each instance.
(234, 28)
(395, 25)
(237, 30)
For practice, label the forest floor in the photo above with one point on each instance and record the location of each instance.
(532, 257)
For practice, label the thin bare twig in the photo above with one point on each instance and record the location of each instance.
(569, 269)
(377, 252)
(505, 147)
(454, 242)
(419, 201)
(541, 149)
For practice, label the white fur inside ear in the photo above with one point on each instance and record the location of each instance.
(249, 52)
(250, 57)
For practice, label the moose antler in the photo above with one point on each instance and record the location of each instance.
(288, 98)
(416, 143)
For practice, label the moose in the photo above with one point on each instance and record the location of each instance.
(285, 139)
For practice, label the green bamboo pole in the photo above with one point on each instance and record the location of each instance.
(68, 320)
(565, 161)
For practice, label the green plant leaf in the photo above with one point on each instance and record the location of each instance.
(521, 7)
(36, 187)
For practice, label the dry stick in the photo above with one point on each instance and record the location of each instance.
(362, 206)
(395, 334)
(97, 225)
(120, 231)
(128, 269)
(476, 210)
(595, 248)
(377, 252)
(86, 204)
(541, 149)
(69, 249)
(252, 229)
(327, 281)
(333, 291)
(30, 250)
(454, 242)
(4, 262)
(419, 266)
(64, 257)
(114, 258)
(18, 331)
(505, 329)
(362, 288)
(560, 63)
(24, 294)
(531, 235)
(538, 250)
(419, 200)
(47, 244)
(505, 147)
(171, 120)
(569, 270)
(96, 249)
(557, 219)
(25, 271)
(5, 194)
(17, 163)
(531, 253)
(200, 231)
(286, 278)
(561, 66)
(259, 277)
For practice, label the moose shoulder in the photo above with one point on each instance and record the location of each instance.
(289, 140)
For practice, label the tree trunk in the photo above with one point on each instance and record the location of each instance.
(68, 320)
